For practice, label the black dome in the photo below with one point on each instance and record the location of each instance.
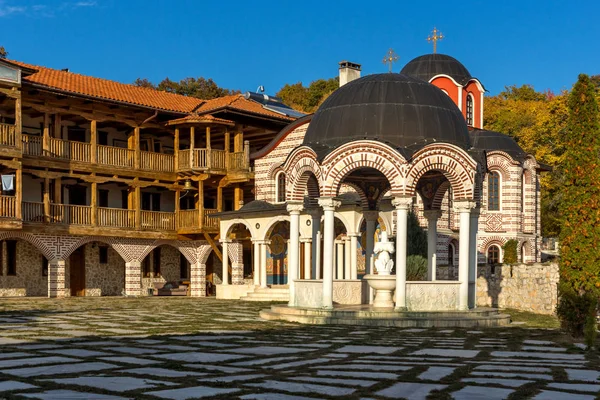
(493, 141)
(396, 109)
(427, 66)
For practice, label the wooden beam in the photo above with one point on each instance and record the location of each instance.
(176, 149)
(46, 134)
(93, 141)
(219, 199)
(58, 190)
(138, 208)
(192, 145)
(200, 204)
(57, 126)
(94, 190)
(46, 200)
(18, 192)
(136, 143)
(214, 246)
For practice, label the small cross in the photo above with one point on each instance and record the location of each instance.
(434, 38)
(390, 58)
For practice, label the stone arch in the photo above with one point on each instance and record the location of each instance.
(364, 201)
(362, 154)
(203, 254)
(274, 221)
(88, 239)
(493, 241)
(227, 225)
(438, 198)
(499, 161)
(456, 165)
(388, 226)
(525, 251)
(33, 240)
(299, 167)
(175, 244)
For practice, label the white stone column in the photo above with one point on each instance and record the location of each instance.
(133, 278)
(256, 269)
(225, 263)
(473, 258)
(316, 243)
(317, 261)
(198, 280)
(353, 256)
(263, 263)
(432, 219)
(347, 267)
(463, 207)
(371, 218)
(329, 205)
(56, 278)
(402, 205)
(339, 259)
(307, 259)
(294, 208)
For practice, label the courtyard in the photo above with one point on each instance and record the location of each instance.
(183, 348)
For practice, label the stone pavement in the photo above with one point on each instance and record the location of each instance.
(190, 348)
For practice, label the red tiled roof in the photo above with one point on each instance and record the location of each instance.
(202, 119)
(237, 101)
(109, 90)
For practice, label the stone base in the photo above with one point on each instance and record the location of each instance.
(233, 292)
(369, 316)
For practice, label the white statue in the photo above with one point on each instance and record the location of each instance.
(383, 248)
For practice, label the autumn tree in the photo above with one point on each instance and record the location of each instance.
(3, 52)
(201, 88)
(308, 99)
(580, 210)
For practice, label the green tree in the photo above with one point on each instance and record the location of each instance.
(143, 82)
(308, 99)
(580, 209)
(3, 52)
(201, 88)
(294, 95)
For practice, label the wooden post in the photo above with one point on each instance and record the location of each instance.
(176, 149)
(18, 123)
(192, 134)
(18, 191)
(177, 205)
(219, 199)
(57, 126)
(57, 190)
(200, 204)
(246, 154)
(138, 207)
(46, 200)
(227, 148)
(94, 142)
(238, 139)
(238, 195)
(46, 135)
(94, 204)
(208, 137)
(136, 144)
(208, 150)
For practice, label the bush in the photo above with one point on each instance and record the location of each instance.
(577, 314)
(416, 236)
(416, 268)
(510, 252)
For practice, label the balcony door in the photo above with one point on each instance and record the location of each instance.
(78, 195)
(76, 134)
(77, 272)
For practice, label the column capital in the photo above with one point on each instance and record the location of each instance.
(294, 207)
(371, 215)
(225, 241)
(464, 206)
(432, 214)
(329, 203)
(402, 203)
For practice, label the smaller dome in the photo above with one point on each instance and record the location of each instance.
(496, 141)
(429, 65)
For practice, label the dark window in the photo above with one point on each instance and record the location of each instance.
(183, 267)
(103, 138)
(494, 191)
(125, 199)
(151, 201)
(451, 255)
(44, 266)
(493, 255)
(103, 254)
(156, 261)
(146, 266)
(187, 202)
(11, 257)
(76, 134)
(281, 188)
(102, 198)
(469, 110)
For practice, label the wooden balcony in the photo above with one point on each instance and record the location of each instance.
(8, 135)
(116, 218)
(188, 221)
(8, 207)
(69, 150)
(157, 161)
(158, 220)
(116, 156)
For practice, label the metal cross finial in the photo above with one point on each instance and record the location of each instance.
(434, 37)
(390, 58)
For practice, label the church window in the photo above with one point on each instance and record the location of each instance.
(493, 255)
(470, 109)
(281, 187)
(11, 257)
(494, 191)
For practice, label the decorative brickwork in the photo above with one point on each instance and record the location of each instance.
(198, 280)
(56, 279)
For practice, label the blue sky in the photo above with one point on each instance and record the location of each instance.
(243, 44)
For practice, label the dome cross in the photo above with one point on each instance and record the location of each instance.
(390, 58)
(434, 37)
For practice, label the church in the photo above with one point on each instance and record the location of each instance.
(111, 189)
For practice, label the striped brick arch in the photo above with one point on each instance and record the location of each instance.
(362, 154)
(456, 165)
(501, 162)
(303, 174)
(37, 241)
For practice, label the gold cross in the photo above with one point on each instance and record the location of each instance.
(390, 58)
(434, 38)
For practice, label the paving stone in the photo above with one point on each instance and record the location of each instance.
(191, 392)
(136, 350)
(5, 341)
(526, 354)
(355, 374)
(215, 344)
(409, 390)
(5, 386)
(130, 360)
(582, 375)
(273, 396)
(261, 361)
(112, 383)
(373, 367)
(578, 387)
(552, 395)
(162, 372)
(149, 341)
(526, 375)
(198, 357)
(208, 337)
(333, 381)
(296, 387)
(368, 349)
(543, 348)
(232, 378)
(58, 369)
(452, 353)
(298, 363)
(436, 373)
(35, 361)
(268, 350)
(539, 342)
(76, 352)
(15, 354)
(220, 368)
(512, 368)
(481, 393)
(497, 381)
(70, 395)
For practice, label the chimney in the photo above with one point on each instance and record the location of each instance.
(349, 71)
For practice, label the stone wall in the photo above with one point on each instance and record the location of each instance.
(30, 279)
(103, 279)
(169, 268)
(526, 287)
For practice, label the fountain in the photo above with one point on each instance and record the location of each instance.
(383, 282)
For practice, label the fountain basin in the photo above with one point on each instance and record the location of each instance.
(384, 285)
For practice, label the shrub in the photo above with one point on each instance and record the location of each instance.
(577, 313)
(416, 268)
(510, 252)
(416, 236)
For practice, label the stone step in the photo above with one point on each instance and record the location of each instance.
(276, 293)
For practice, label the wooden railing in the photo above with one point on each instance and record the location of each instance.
(116, 217)
(209, 220)
(32, 145)
(117, 156)
(237, 161)
(158, 220)
(201, 158)
(7, 206)
(217, 158)
(184, 159)
(70, 150)
(157, 161)
(8, 135)
(33, 211)
(188, 219)
(69, 214)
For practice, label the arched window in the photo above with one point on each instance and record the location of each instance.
(470, 109)
(281, 187)
(451, 255)
(493, 191)
(493, 255)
